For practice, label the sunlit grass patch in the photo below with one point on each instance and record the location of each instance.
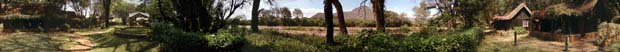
(35, 42)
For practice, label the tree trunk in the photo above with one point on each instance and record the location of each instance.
(1, 7)
(329, 21)
(106, 12)
(255, 6)
(378, 6)
(195, 16)
(161, 9)
(343, 25)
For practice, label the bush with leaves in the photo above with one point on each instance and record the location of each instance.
(177, 40)
(226, 40)
(42, 23)
(455, 41)
(608, 32)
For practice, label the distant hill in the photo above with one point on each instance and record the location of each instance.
(362, 12)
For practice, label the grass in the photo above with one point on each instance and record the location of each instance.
(508, 46)
(273, 41)
(35, 42)
(119, 43)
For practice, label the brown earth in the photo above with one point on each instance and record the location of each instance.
(501, 38)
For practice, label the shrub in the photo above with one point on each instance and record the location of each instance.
(28, 22)
(224, 41)
(457, 41)
(177, 40)
(520, 30)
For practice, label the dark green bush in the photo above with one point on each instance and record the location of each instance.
(177, 40)
(226, 39)
(36, 23)
(369, 40)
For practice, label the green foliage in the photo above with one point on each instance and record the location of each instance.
(224, 41)
(614, 47)
(405, 28)
(273, 41)
(520, 30)
(174, 39)
(562, 9)
(42, 23)
(459, 41)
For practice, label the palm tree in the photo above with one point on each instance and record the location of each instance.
(329, 21)
(377, 6)
(340, 15)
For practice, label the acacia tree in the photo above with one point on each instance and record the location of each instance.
(340, 15)
(329, 20)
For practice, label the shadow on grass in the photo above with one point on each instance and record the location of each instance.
(35, 42)
(124, 40)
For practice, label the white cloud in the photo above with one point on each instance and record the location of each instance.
(309, 12)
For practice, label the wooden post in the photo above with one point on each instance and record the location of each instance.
(566, 43)
(515, 33)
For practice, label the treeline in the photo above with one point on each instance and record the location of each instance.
(280, 17)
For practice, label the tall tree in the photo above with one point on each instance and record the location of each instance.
(255, 12)
(1, 7)
(255, 5)
(343, 26)
(205, 15)
(285, 12)
(378, 9)
(329, 21)
(420, 10)
(106, 12)
(298, 13)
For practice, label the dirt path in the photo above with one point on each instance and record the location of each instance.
(504, 40)
(84, 44)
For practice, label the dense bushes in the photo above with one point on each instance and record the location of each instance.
(457, 41)
(44, 22)
(176, 40)
(35, 23)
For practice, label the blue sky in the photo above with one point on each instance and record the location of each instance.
(311, 7)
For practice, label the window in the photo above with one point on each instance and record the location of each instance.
(525, 23)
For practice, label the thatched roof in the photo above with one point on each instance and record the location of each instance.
(521, 8)
(558, 9)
